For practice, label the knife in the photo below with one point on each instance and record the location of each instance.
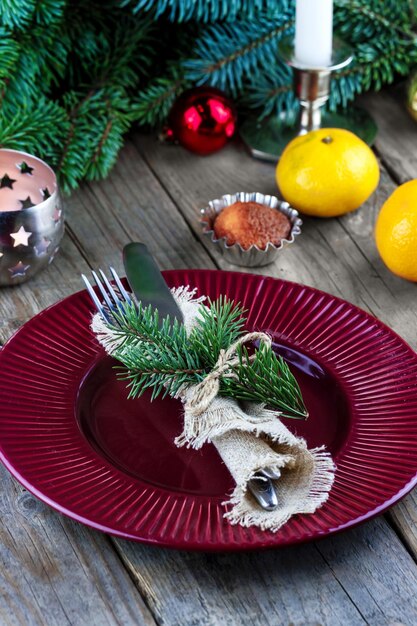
(150, 288)
(147, 282)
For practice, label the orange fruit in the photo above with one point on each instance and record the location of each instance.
(396, 231)
(327, 172)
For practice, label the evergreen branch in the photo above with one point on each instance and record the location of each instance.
(272, 92)
(153, 356)
(217, 327)
(361, 21)
(37, 61)
(374, 66)
(165, 358)
(206, 10)
(153, 104)
(380, 55)
(9, 52)
(119, 57)
(265, 378)
(39, 129)
(9, 56)
(226, 54)
(49, 12)
(16, 13)
(89, 64)
(98, 120)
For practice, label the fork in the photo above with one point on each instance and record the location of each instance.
(110, 297)
(260, 485)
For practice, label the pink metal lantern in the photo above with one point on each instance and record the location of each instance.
(31, 216)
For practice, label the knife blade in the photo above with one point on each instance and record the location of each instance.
(147, 282)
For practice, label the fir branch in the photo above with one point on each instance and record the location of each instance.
(9, 52)
(381, 53)
(16, 13)
(154, 102)
(165, 359)
(206, 10)
(362, 21)
(36, 62)
(217, 327)
(265, 378)
(226, 54)
(373, 66)
(272, 93)
(9, 56)
(89, 64)
(38, 129)
(49, 12)
(153, 356)
(120, 58)
(103, 114)
(110, 142)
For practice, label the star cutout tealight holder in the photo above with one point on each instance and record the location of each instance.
(31, 216)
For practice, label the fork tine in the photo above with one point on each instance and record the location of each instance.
(94, 298)
(111, 291)
(119, 284)
(103, 291)
(112, 301)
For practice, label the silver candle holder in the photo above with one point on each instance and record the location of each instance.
(266, 139)
(31, 216)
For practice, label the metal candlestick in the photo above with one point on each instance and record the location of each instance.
(266, 139)
(312, 84)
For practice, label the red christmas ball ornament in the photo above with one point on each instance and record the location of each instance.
(202, 120)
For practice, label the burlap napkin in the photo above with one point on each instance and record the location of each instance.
(248, 437)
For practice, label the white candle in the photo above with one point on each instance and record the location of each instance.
(314, 32)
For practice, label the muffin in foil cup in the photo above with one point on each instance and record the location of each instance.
(253, 256)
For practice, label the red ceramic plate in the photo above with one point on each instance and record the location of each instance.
(70, 436)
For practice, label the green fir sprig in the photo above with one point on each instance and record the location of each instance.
(164, 358)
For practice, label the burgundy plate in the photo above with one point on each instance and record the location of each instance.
(70, 436)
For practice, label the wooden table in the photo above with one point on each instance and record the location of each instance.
(55, 571)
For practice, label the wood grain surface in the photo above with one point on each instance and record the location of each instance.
(55, 571)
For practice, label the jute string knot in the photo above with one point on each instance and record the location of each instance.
(204, 392)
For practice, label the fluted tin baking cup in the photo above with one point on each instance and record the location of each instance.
(253, 256)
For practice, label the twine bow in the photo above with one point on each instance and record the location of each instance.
(205, 391)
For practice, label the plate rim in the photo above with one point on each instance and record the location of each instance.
(377, 510)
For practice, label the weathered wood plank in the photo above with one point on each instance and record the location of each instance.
(56, 572)
(404, 519)
(130, 205)
(373, 568)
(397, 132)
(289, 586)
(396, 143)
(350, 579)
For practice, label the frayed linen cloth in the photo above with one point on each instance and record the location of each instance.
(248, 438)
